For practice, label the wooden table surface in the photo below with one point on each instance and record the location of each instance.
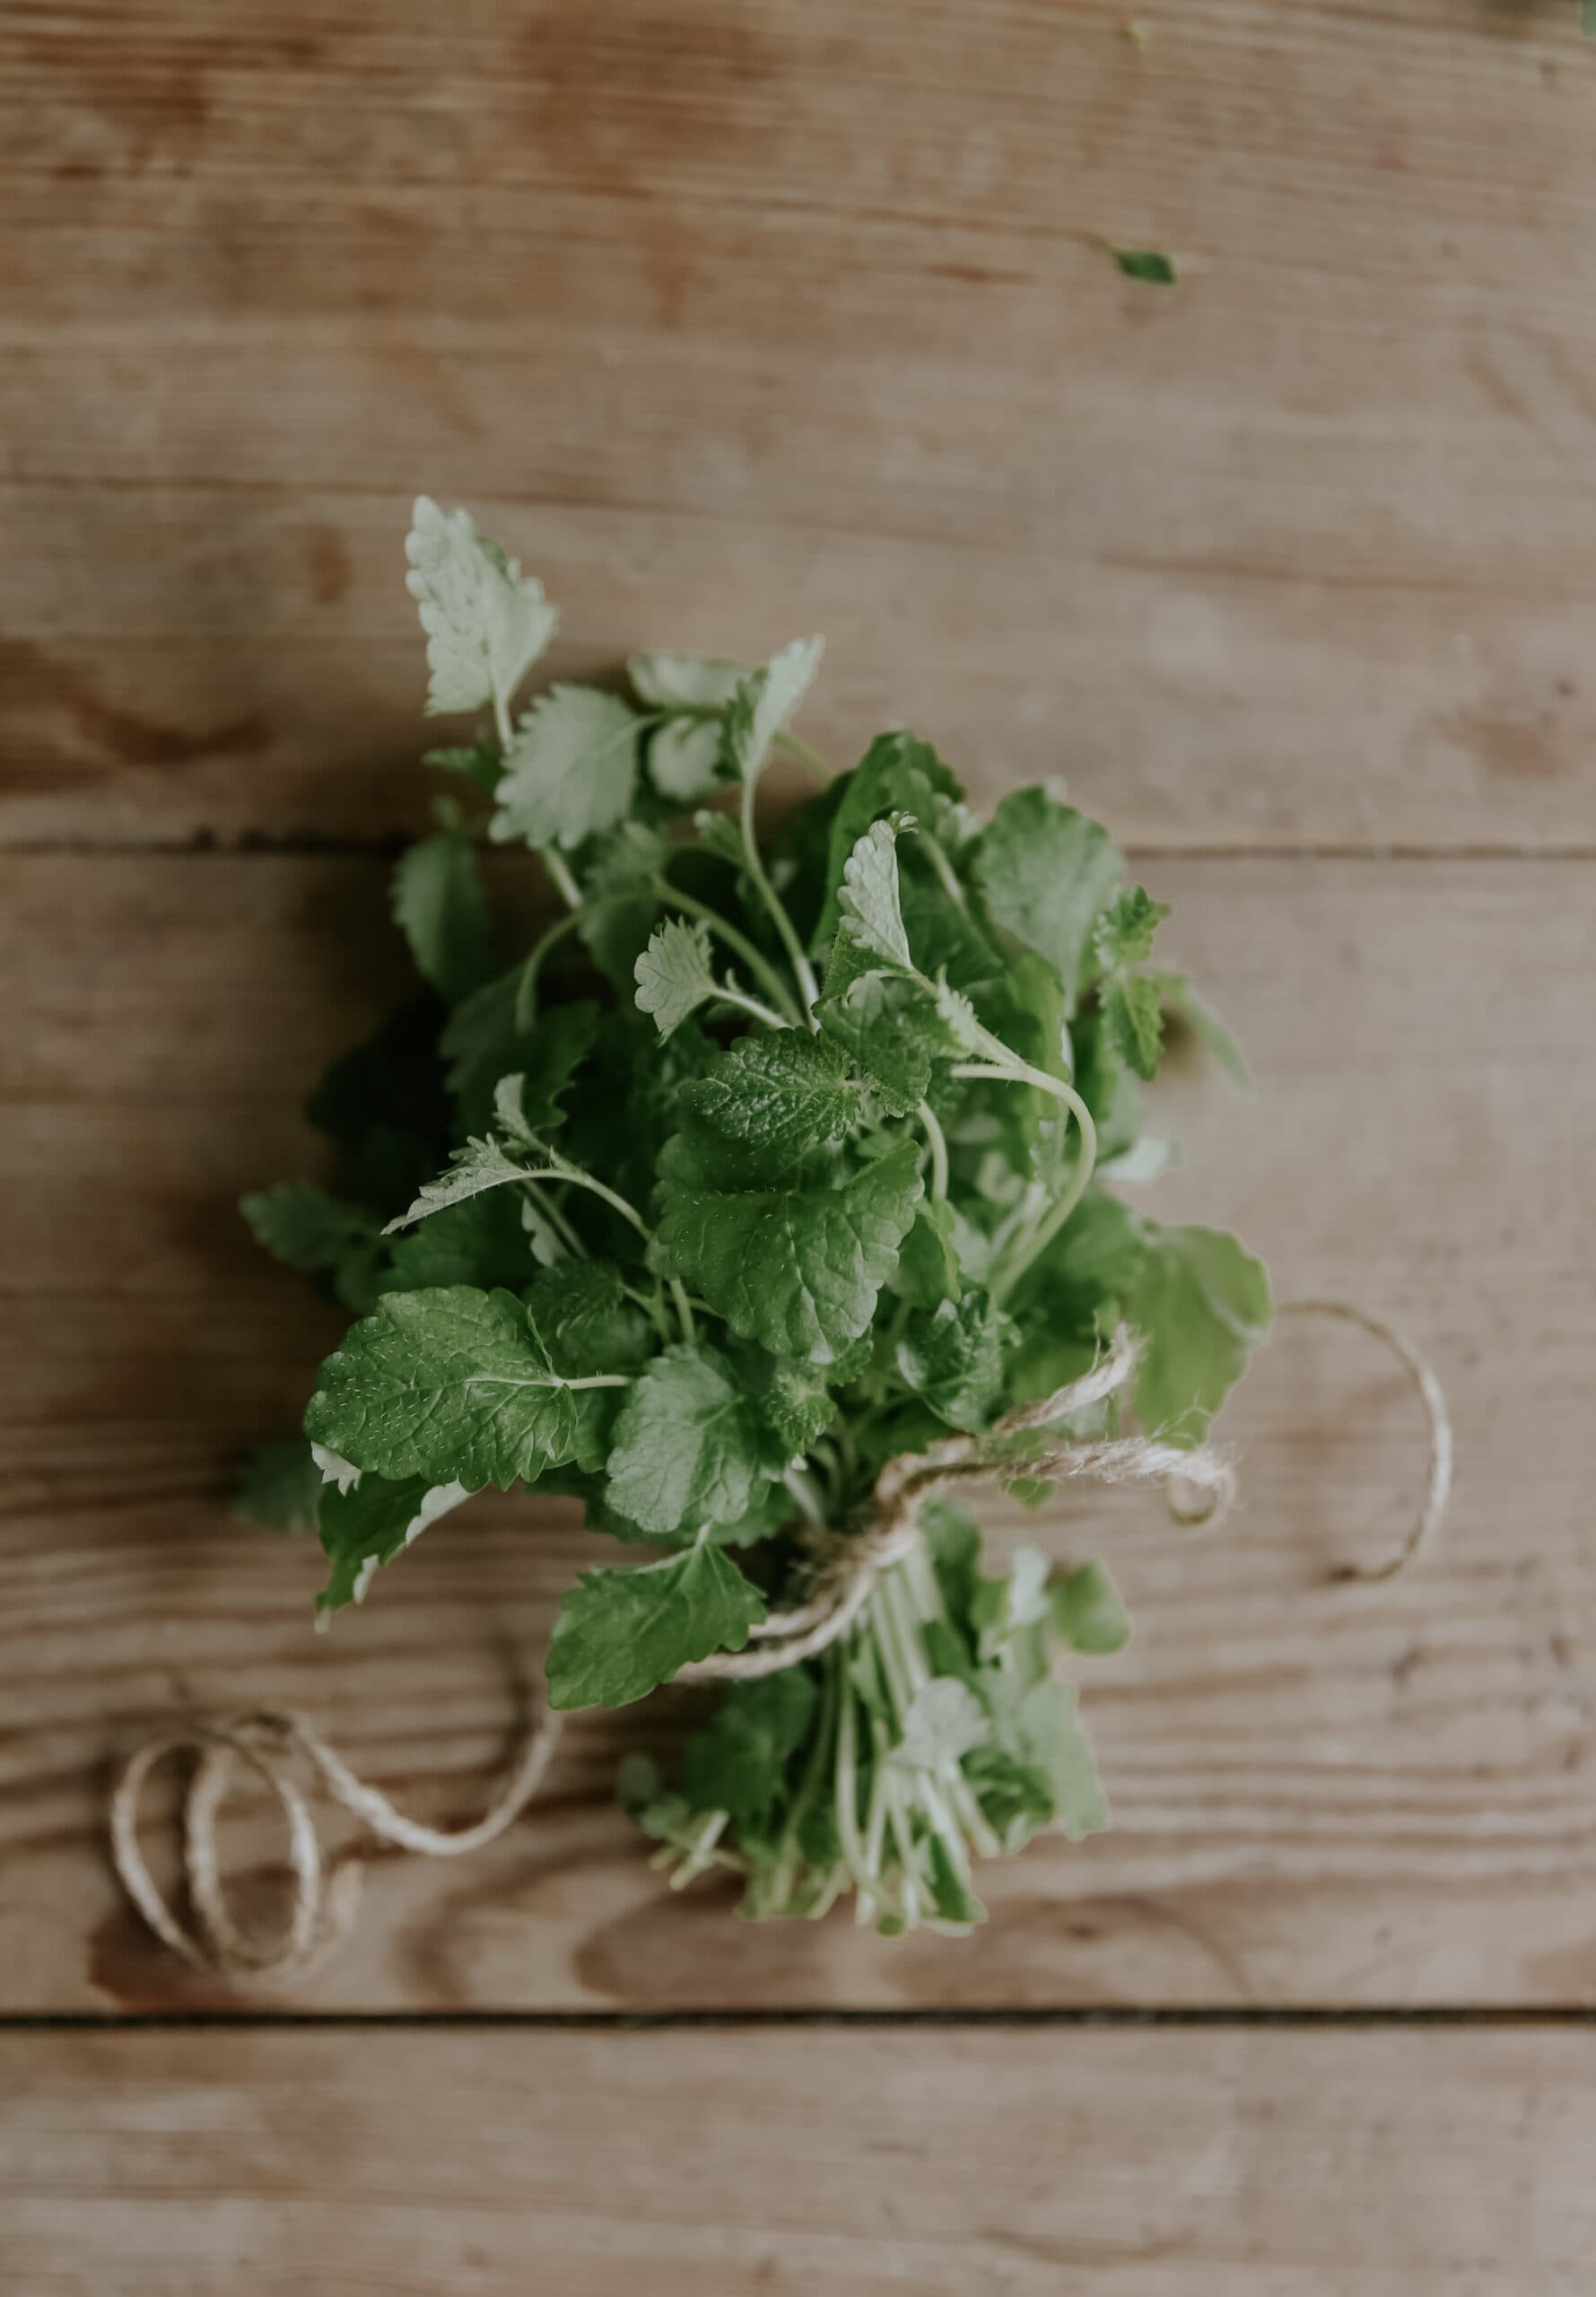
(738, 321)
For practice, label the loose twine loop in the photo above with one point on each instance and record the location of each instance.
(1199, 1487)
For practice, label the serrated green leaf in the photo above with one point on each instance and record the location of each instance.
(686, 1448)
(764, 701)
(486, 623)
(1133, 1020)
(720, 834)
(798, 1269)
(1123, 934)
(440, 906)
(480, 1165)
(779, 1095)
(868, 899)
(570, 770)
(1087, 1613)
(1044, 873)
(371, 1522)
(794, 1401)
(898, 774)
(584, 1319)
(621, 1633)
(952, 1358)
(453, 1385)
(280, 1487)
(890, 1028)
(673, 975)
(1202, 1304)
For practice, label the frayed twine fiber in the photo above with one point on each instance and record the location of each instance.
(1200, 1485)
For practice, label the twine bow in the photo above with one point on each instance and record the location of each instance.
(1032, 1442)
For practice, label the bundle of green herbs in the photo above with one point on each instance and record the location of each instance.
(775, 1167)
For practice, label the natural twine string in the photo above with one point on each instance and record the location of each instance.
(1200, 1485)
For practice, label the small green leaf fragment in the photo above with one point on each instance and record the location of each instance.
(440, 906)
(686, 1448)
(280, 1487)
(1145, 264)
(1087, 1613)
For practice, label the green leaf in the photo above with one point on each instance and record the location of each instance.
(1044, 873)
(1036, 1728)
(481, 1242)
(898, 774)
(371, 1521)
(440, 906)
(952, 1358)
(798, 1269)
(480, 1165)
(453, 1384)
(674, 977)
(570, 770)
(868, 900)
(740, 1763)
(1123, 934)
(1145, 264)
(794, 1402)
(581, 1313)
(893, 1033)
(621, 1633)
(280, 1487)
(311, 1230)
(1202, 1304)
(928, 1271)
(486, 623)
(686, 1448)
(1087, 1613)
(764, 700)
(779, 1095)
(1133, 1020)
(685, 681)
(944, 1720)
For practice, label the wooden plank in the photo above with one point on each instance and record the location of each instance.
(1169, 2163)
(742, 320)
(1323, 1795)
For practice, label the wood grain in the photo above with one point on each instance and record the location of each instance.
(1161, 2163)
(1324, 1796)
(740, 320)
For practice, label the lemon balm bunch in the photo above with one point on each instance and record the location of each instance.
(774, 1171)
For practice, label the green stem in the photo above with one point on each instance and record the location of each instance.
(802, 972)
(937, 1140)
(502, 718)
(728, 995)
(1013, 1070)
(759, 965)
(932, 849)
(559, 870)
(684, 1311)
(804, 755)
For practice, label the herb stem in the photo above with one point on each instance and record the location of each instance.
(1015, 1071)
(684, 1311)
(730, 995)
(559, 870)
(932, 848)
(802, 972)
(937, 1140)
(804, 755)
(738, 942)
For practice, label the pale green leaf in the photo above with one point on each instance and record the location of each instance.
(684, 759)
(689, 682)
(480, 1165)
(1201, 1304)
(1045, 872)
(674, 977)
(486, 623)
(570, 770)
(1133, 1020)
(1087, 1613)
(944, 1720)
(765, 699)
(369, 1524)
(868, 900)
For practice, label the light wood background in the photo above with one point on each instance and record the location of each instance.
(738, 321)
